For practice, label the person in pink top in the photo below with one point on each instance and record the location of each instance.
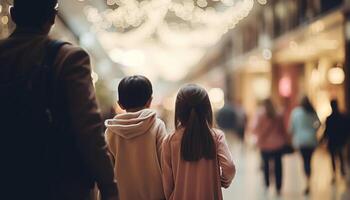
(196, 160)
(272, 138)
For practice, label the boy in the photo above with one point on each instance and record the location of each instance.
(135, 138)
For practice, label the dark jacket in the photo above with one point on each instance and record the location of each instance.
(337, 131)
(80, 150)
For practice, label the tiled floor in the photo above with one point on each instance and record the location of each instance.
(248, 183)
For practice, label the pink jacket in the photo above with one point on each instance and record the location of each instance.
(271, 133)
(199, 180)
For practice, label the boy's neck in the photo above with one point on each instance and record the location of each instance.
(135, 109)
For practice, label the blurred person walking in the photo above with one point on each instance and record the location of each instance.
(52, 145)
(303, 127)
(336, 136)
(232, 119)
(196, 160)
(272, 138)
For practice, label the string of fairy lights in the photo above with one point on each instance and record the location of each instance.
(123, 15)
(135, 33)
(5, 23)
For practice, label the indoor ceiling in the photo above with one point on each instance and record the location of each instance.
(162, 39)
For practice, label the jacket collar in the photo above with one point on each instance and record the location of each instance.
(27, 32)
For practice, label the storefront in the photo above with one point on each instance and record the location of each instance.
(252, 79)
(310, 62)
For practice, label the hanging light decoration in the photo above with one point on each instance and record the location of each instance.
(125, 16)
(179, 30)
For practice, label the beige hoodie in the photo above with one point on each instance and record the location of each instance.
(135, 140)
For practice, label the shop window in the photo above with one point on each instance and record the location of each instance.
(285, 86)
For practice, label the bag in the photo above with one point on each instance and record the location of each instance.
(26, 126)
(287, 149)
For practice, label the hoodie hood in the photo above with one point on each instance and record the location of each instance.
(132, 124)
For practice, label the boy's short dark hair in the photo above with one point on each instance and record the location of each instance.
(134, 92)
(34, 13)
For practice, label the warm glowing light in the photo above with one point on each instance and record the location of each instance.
(216, 95)
(262, 2)
(267, 54)
(5, 20)
(261, 88)
(131, 31)
(336, 75)
(317, 27)
(94, 76)
(202, 3)
(285, 86)
(133, 58)
(217, 98)
(293, 45)
(116, 55)
(130, 58)
(315, 77)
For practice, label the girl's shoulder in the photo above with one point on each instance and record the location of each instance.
(218, 133)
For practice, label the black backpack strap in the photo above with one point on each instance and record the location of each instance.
(51, 71)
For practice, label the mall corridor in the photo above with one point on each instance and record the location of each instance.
(123, 99)
(248, 184)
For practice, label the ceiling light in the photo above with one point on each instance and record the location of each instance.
(336, 75)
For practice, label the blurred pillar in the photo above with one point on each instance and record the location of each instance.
(227, 54)
(347, 67)
(347, 58)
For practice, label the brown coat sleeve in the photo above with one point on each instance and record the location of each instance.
(85, 118)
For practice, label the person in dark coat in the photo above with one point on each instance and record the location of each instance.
(335, 136)
(232, 118)
(76, 146)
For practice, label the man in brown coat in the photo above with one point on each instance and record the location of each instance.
(78, 149)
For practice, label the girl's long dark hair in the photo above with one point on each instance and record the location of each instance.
(307, 106)
(193, 112)
(270, 108)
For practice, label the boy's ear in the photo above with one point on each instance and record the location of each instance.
(121, 106)
(149, 102)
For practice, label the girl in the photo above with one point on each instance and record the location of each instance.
(272, 138)
(196, 161)
(304, 125)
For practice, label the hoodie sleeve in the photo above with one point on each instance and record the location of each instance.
(161, 134)
(112, 146)
(228, 169)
